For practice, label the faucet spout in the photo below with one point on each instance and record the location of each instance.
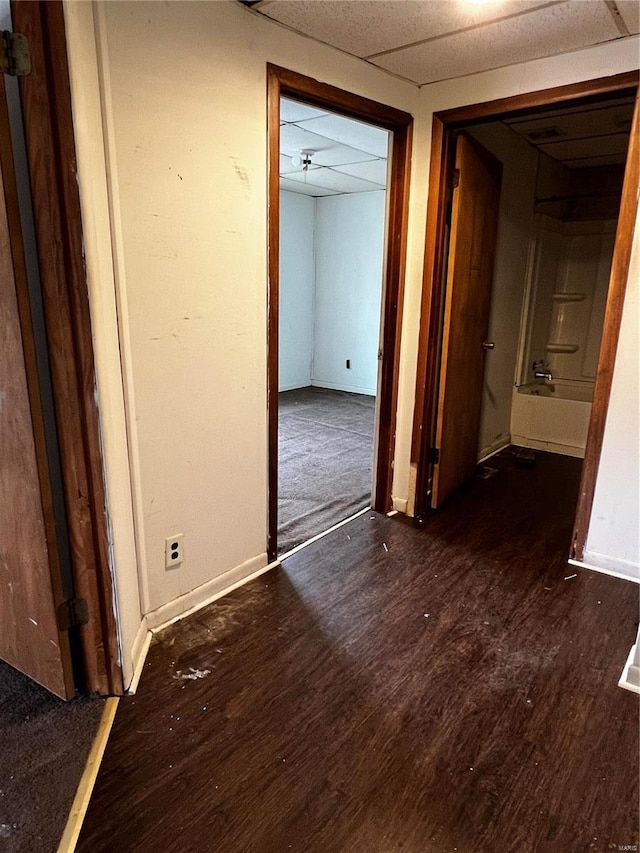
(544, 373)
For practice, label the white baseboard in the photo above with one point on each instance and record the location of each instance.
(630, 678)
(139, 655)
(202, 595)
(549, 446)
(400, 505)
(336, 386)
(495, 447)
(609, 566)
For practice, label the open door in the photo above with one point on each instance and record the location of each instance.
(30, 580)
(474, 226)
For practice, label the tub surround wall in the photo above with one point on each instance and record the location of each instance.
(566, 298)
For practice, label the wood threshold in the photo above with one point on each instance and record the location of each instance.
(445, 124)
(88, 780)
(48, 120)
(282, 82)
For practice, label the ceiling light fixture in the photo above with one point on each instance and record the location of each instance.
(302, 159)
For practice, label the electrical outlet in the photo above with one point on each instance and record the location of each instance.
(173, 551)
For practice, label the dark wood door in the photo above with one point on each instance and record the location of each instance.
(474, 225)
(30, 582)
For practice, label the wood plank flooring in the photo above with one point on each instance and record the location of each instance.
(388, 688)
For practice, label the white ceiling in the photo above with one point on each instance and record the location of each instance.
(428, 40)
(348, 156)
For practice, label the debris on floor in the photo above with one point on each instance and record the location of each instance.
(191, 674)
(525, 457)
(485, 472)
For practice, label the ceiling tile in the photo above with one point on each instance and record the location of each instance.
(581, 148)
(630, 11)
(305, 189)
(542, 32)
(327, 152)
(366, 27)
(328, 179)
(355, 134)
(608, 160)
(293, 111)
(373, 170)
(592, 121)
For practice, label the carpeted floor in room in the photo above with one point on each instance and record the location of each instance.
(325, 457)
(44, 745)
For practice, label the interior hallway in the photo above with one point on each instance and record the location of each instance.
(325, 456)
(442, 689)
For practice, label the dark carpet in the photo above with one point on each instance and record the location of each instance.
(325, 459)
(44, 744)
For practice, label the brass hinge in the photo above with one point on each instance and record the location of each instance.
(434, 455)
(15, 58)
(72, 613)
(455, 178)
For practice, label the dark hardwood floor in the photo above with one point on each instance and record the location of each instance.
(389, 688)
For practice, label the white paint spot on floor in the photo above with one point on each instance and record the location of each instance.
(32, 620)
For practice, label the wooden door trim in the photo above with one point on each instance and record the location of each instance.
(283, 82)
(610, 335)
(48, 122)
(445, 125)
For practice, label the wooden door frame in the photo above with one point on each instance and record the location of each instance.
(45, 96)
(445, 126)
(284, 83)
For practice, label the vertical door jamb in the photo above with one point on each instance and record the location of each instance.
(444, 126)
(281, 82)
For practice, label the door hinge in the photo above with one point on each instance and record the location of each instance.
(72, 613)
(455, 178)
(434, 455)
(15, 58)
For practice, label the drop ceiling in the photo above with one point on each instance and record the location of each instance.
(347, 156)
(428, 40)
(579, 137)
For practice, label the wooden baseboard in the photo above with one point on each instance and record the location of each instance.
(83, 793)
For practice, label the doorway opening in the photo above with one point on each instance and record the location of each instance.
(338, 190)
(523, 296)
(333, 188)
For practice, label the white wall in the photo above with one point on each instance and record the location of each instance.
(613, 541)
(186, 174)
(297, 285)
(331, 253)
(520, 162)
(179, 284)
(349, 253)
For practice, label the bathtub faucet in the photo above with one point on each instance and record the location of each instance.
(542, 372)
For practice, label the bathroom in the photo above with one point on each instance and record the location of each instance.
(561, 186)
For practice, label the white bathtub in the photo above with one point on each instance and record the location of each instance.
(552, 416)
